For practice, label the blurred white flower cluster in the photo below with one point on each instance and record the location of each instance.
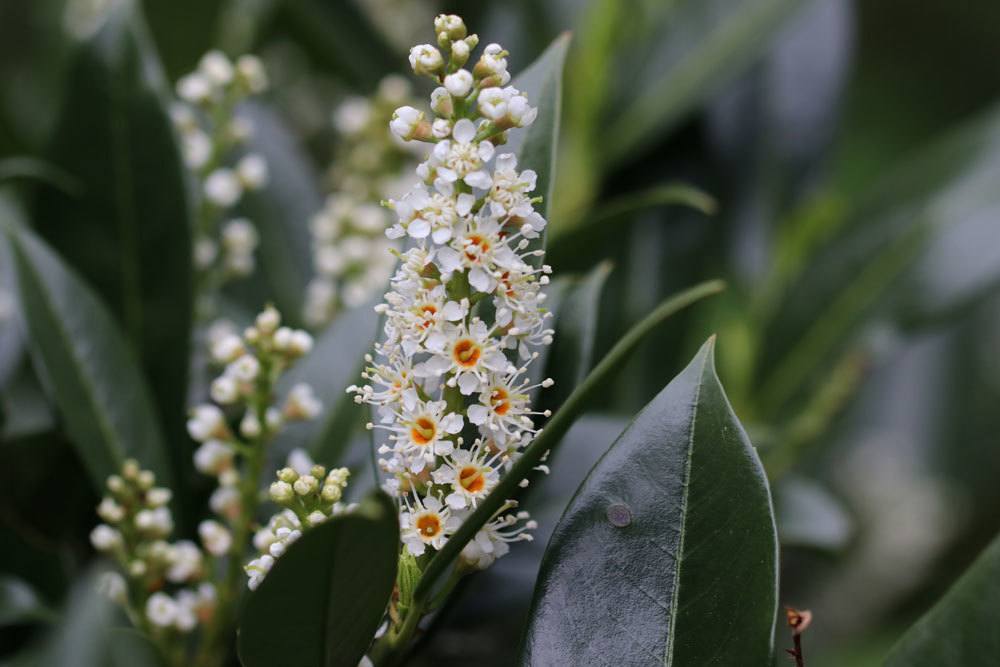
(350, 251)
(465, 315)
(136, 525)
(137, 520)
(253, 364)
(213, 138)
(308, 496)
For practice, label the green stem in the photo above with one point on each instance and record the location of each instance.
(546, 440)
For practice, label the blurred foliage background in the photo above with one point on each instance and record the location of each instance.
(850, 153)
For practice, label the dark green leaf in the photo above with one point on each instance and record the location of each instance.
(536, 146)
(19, 603)
(697, 45)
(668, 552)
(11, 335)
(961, 628)
(321, 603)
(551, 436)
(127, 231)
(339, 36)
(183, 30)
(572, 353)
(281, 212)
(90, 371)
(334, 364)
(87, 636)
(917, 248)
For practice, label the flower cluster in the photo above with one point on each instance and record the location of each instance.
(465, 315)
(350, 251)
(252, 364)
(212, 141)
(137, 524)
(307, 499)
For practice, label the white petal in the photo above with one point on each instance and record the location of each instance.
(464, 131)
(468, 383)
(478, 414)
(419, 229)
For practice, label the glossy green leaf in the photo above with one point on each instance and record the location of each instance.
(960, 630)
(88, 366)
(916, 249)
(127, 229)
(338, 35)
(536, 146)
(699, 43)
(551, 435)
(19, 603)
(321, 603)
(281, 211)
(334, 364)
(668, 552)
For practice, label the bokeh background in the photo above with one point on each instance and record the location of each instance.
(850, 154)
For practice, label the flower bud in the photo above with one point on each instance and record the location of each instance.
(281, 492)
(105, 538)
(426, 60)
(305, 485)
(409, 124)
(268, 320)
(441, 102)
(227, 348)
(158, 496)
(250, 425)
(223, 188)
(460, 52)
(252, 171)
(215, 537)
(225, 390)
(216, 67)
(451, 25)
(459, 83)
(250, 73)
(288, 475)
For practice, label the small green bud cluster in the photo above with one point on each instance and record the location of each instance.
(137, 523)
(308, 499)
(213, 140)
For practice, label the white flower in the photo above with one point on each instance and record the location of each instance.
(251, 72)
(215, 537)
(105, 538)
(154, 522)
(223, 188)
(302, 403)
(492, 541)
(467, 353)
(252, 171)
(428, 524)
(459, 83)
(406, 122)
(207, 422)
(471, 475)
(245, 369)
(161, 610)
(213, 457)
(422, 433)
(492, 103)
(110, 511)
(460, 158)
(227, 348)
(225, 501)
(197, 148)
(225, 390)
(185, 561)
(425, 59)
(216, 67)
(194, 88)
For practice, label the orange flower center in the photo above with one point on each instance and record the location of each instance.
(499, 401)
(475, 245)
(429, 525)
(472, 479)
(428, 310)
(423, 431)
(467, 352)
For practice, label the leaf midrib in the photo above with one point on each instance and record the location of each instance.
(675, 592)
